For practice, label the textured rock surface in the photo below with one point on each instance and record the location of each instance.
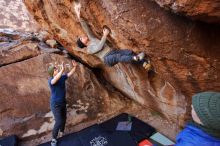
(185, 54)
(205, 10)
(17, 46)
(14, 15)
(25, 94)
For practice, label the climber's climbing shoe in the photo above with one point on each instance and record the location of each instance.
(140, 56)
(147, 66)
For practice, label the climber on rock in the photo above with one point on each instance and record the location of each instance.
(100, 49)
(204, 129)
(58, 99)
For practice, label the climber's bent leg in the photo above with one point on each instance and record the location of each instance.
(125, 52)
(109, 60)
(117, 56)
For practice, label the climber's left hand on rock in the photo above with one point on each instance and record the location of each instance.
(106, 31)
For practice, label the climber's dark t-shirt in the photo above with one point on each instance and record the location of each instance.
(58, 91)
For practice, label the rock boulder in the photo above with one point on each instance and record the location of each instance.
(184, 53)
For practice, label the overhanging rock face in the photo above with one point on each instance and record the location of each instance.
(25, 95)
(204, 10)
(185, 54)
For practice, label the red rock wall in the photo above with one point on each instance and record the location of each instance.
(185, 54)
(24, 97)
(14, 15)
(204, 10)
(25, 94)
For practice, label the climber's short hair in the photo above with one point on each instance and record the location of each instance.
(80, 44)
(50, 70)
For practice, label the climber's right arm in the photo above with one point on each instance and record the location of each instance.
(86, 28)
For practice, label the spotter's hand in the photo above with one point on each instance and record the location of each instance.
(74, 63)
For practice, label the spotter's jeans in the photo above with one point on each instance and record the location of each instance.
(59, 112)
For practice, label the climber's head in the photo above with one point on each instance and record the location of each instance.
(53, 71)
(82, 41)
(205, 109)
